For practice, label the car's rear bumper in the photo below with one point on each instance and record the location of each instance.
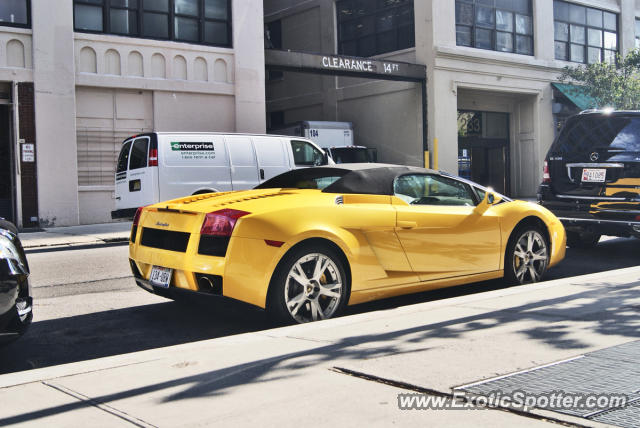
(597, 215)
(243, 274)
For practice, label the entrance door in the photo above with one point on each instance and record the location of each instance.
(6, 165)
(483, 148)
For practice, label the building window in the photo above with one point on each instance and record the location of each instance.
(498, 25)
(275, 119)
(205, 22)
(584, 34)
(15, 13)
(273, 40)
(367, 27)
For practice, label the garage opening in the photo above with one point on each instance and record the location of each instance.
(377, 105)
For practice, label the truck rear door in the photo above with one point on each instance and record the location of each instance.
(122, 190)
(136, 183)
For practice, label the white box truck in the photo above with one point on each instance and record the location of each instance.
(158, 166)
(336, 138)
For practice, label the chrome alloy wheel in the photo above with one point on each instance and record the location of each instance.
(313, 288)
(530, 257)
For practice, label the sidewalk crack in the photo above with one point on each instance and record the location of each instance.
(101, 405)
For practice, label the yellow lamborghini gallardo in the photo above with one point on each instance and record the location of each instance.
(308, 242)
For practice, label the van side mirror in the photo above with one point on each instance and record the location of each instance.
(325, 157)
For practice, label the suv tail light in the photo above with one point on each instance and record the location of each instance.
(221, 223)
(153, 157)
(546, 178)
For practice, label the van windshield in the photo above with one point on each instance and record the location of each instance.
(588, 133)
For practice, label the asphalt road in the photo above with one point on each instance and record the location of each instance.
(87, 306)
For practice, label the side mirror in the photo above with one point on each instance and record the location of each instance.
(490, 199)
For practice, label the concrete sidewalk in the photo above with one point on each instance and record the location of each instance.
(91, 234)
(342, 372)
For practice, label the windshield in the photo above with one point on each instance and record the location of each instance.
(350, 154)
(588, 133)
(308, 178)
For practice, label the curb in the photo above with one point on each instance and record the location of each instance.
(46, 248)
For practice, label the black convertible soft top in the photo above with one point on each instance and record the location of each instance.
(364, 178)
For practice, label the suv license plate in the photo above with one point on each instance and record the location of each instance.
(594, 175)
(160, 276)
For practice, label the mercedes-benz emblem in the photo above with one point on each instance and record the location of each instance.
(594, 156)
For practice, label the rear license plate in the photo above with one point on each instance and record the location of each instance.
(594, 175)
(160, 276)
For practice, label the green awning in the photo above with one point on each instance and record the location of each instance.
(576, 95)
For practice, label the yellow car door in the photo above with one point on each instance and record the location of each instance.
(440, 230)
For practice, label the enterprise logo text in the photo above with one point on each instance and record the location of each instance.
(179, 146)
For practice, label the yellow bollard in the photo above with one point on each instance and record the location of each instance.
(426, 159)
(435, 153)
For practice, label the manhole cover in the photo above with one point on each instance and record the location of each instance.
(609, 373)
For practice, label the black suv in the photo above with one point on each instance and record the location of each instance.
(592, 176)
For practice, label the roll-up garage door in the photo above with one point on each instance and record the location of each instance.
(104, 118)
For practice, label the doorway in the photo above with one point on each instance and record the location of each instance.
(7, 190)
(483, 148)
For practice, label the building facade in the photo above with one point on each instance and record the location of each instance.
(492, 109)
(78, 76)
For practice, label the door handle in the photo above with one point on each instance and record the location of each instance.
(407, 224)
(261, 174)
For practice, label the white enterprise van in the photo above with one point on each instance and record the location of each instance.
(158, 166)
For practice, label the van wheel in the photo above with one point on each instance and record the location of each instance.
(527, 255)
(582, 239)
(309, 285)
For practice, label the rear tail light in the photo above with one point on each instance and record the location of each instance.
(134, 226)
(136, 217)
(546, 178)
(153, 157)
(221, 223)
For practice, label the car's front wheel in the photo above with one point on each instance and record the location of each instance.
(527, 256)
(310, 284)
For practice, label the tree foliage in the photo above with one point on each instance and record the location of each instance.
(614, 85)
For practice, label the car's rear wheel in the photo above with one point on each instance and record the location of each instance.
(582, 239)
(527, 256)
(310, 284)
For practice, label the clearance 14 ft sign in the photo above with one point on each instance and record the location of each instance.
(359, 65)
